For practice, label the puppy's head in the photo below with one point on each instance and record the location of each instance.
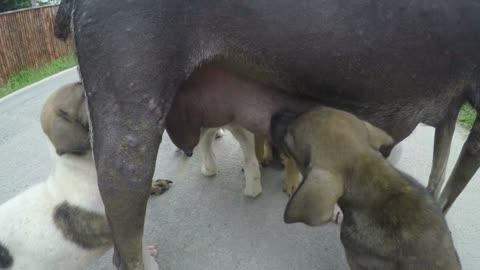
(64, 120)
(325, 144)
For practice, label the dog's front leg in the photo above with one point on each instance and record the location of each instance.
(209, 166)
(253, 185)
(292, 175)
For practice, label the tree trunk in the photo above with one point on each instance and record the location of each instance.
(34, 3)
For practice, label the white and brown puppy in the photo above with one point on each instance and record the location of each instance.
(60, 223)
(390, 221)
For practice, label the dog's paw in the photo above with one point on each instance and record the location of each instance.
(337, 215)
(253, 188)
(159, 186)
(220, 133)
(208, 171)
(290, 184)
(265, 162)
(289, 189)
(153, 250)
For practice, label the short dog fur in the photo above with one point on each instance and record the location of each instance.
(390, 221)
(60, 223)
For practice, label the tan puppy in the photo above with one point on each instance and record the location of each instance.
(390, 221)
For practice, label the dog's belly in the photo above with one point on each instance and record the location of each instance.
(31, 237)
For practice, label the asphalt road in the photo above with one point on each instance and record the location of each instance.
(207, 223)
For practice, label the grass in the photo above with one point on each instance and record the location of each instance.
(31, 75)
(467, 116)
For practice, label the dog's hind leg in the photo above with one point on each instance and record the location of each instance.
(259, 147)
(466, 166)
(209, 166)
(292, 175)
(267, 153)
(468, 162)
(253, 185)
(129, 98)
(441, 151)
(220, 133)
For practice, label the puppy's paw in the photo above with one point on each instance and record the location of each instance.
(159, 186)
(208, 170)
(265, 162)
(153, 250)
(289, 189)
(290, 184)
(253, 188)
(337, 215)
(220, 133)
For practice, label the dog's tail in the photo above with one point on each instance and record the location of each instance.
(63, 20)
(6, 260)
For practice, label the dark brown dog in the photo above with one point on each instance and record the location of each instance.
(390, 221)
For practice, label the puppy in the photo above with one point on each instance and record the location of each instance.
(60, 223)
(390, 221)
(251, 167)
(245, 139)
(216, 96)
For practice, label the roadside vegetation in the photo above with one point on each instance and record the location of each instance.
(467, 116)
(32, 75)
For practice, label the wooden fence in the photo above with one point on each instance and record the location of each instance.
(27, 40)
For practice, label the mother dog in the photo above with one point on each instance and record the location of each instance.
(392, 63)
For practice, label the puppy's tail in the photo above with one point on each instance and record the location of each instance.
(63, 19)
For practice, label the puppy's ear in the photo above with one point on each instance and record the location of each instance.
(69, 136)
(378, 138)
(64, 120)
(279, 127)
(314, 201)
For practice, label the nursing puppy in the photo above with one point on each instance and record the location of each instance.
(60, 223)
(215, 96)
(390, 221)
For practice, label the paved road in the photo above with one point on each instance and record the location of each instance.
(204, 223)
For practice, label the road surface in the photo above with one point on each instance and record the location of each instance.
(207, 223)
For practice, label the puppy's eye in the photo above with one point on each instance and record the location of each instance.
(86, 127)
(64, 115)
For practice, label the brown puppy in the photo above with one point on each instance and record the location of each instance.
(390, 221)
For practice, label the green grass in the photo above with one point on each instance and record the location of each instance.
(31, 75)
(467, 116)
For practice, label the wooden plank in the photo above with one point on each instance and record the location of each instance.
(27, 40)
